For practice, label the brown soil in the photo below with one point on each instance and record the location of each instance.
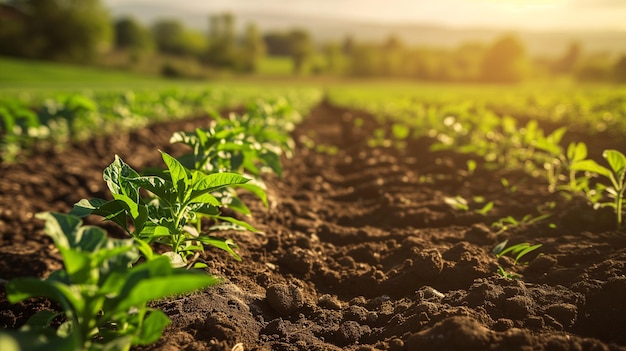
(360, 252)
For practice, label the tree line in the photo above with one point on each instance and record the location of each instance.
(82, 31)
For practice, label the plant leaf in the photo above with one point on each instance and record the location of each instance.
(591, 166)
(498, 249)
(526, 250)
(214, 181)
(226, 245)
(256, 190)
(617, 161)
(179, 175)
(152, 328)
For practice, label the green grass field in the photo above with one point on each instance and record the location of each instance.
(15, 72)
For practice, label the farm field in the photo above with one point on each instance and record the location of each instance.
(380, 233)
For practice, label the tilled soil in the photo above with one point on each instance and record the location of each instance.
(359, 250)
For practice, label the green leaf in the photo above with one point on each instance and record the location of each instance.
(256, 190)
(226, 245)
(144, 248)
(36, 340)
(576, 152)
(85, 207)
(153, 231)
(498, 249)
(488, 207)
(156, 185)
(272, 160)
(593, 167)
(526, 250)
(117, 174)
(237, 205)
(157, 279)
(20, 289)
(617, 161)
(548, 146)
(556, 136)
(178, 173)
(514, 249)
(206, 198)
(152, 328)
(41, 319)
(214, 181)
(204, 208)
(57, 225)
(400, 131)
(239, 223)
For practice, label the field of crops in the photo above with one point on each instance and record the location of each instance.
(369, 216)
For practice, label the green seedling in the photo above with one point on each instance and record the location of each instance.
(248, 143)
(616, 175)
(461, 204)
(507, 185)
(509, 222)
(518, 251)
(457, 203)
(177, 198)
(102, 294)
(471, 167)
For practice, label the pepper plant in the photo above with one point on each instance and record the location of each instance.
(250, 142)
(176, 198)
(101, 291)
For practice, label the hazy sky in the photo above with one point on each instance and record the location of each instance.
(523, 14)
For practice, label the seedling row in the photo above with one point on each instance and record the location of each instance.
(106, 284)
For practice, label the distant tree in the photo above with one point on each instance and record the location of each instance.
(423, 64)
(131, 35)
(619, 70)
(392, 57)
(334, 57)
(173, 38)
(222, 50)
(169, 36)
(72, 30)
(348, 45)
(468, 58)
(505, 61)
(278, 44)
(12, 31)
(253, 49)
(365, 60)
(300, 49)
(595, 68)
(567, 62)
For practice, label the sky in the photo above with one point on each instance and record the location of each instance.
(520, 14)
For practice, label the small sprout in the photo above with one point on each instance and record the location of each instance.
(471, 167)
(488, 207)
(518, 251)
(616, 175)
(457, 203)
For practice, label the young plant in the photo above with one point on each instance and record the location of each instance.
(460, 203)
(252, 142)
(518, 251)
(103, 296)
(508, 222)
(616, 175)
(177, 198)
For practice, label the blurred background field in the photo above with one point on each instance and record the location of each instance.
(477, 41)
(74, 68)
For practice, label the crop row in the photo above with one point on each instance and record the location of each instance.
(503, 143)
(33, 121)
(591, 109)
(106, 283)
